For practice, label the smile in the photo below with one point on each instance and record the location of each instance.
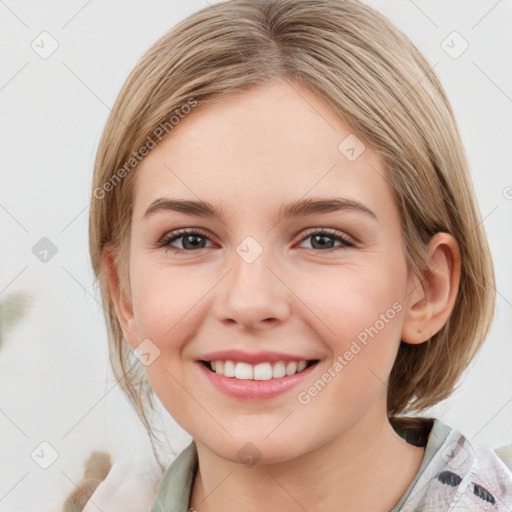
(260, 381)
(262, 371)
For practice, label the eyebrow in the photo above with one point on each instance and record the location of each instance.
(300, 208)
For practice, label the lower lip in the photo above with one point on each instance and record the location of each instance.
(245, 388)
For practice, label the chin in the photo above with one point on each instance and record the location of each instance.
(257, 451)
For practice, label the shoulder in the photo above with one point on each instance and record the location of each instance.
(493, 470)
(505, 455)
(461, 473)
(130, 485)
(173, 492)
(485, 479)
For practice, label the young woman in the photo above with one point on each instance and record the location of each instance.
(291, 257)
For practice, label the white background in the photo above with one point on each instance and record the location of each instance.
(55, 384)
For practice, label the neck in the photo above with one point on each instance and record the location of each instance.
(367, 467)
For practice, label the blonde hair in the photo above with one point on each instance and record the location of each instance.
(374, 77)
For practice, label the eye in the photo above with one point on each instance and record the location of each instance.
(320, 239)
(192, 239)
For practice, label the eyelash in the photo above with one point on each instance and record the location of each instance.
(176, 235)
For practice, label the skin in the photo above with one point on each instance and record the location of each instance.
(250, 152)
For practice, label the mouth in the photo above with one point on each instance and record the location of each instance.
(263, 380)
(240, 370)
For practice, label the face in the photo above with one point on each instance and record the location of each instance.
(327, 286)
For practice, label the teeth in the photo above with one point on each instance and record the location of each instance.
(291, 368)
(278, 370)
(229, 369)
(261, 371)
(244, 371)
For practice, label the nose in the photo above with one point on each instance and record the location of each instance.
(253, 294)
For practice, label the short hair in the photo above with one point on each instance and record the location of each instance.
(379, 83)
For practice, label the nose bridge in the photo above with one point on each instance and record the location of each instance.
(252, 293)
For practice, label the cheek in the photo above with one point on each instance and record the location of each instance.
(349, 299)
(361, 314)
(164, 300)
(359, 317)
(164, 313)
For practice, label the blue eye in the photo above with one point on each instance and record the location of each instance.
(192, 240)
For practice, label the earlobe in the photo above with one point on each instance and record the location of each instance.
(432, 295)
(122, 304)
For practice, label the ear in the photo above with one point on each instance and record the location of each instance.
(432, 296)
(122, 304)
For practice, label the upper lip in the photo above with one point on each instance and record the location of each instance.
(252, 357)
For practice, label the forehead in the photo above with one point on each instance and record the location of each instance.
(276, 142)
